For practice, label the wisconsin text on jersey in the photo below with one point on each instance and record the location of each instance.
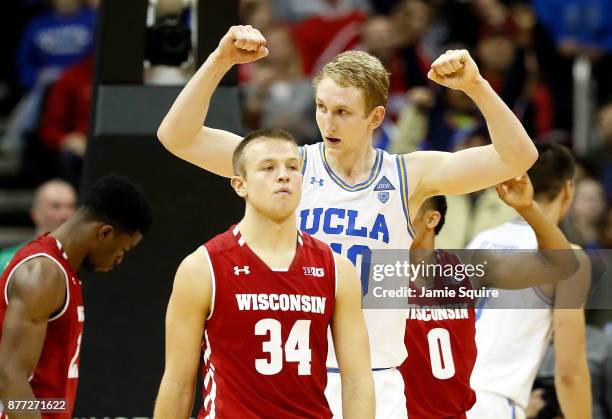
(281, 302)
(437, 313)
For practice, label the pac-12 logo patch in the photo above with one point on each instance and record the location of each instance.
(383, 187)
(383, 196)
(312, 271)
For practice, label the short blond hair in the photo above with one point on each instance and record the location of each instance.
(361, 70)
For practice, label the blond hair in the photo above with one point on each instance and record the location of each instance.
(361, 70)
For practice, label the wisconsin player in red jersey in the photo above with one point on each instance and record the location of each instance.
(440, 332)
(41, 306)
(258, 300)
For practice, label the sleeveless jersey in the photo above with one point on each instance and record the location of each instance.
(56, 374)
(511, 342)
(265, 340)
(354, 220)
(441, 349)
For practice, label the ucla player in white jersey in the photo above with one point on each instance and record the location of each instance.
(357, 198)
(511, 342)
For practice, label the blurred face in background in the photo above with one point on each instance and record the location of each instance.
(66, 6)
(377, 37)
(496, 53)
(54, 203)
(281, 46)
(411, 20)
(604, 125)
(589, 202)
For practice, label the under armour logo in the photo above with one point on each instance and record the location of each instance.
(244, 270)
(314, 180)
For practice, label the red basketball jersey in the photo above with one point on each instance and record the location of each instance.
(265, 341)
(56, 374)
(440, 339)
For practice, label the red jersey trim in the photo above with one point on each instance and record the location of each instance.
(10, 275)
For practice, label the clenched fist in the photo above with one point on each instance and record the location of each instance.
(241, 45)
(455, 69)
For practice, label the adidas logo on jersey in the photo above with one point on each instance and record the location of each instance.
(244, 270)
(312, 271)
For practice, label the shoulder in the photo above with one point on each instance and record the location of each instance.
(221, 242)
(312, 243)
(38, 283)
(195, 265)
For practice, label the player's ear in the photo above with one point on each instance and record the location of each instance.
(376, 117)
(105, 231)
(433, 218)
(239, 185)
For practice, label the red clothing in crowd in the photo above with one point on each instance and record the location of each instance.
(319, 38)
(66, 109)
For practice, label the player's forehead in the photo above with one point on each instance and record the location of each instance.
(333, 94)
(271, 149)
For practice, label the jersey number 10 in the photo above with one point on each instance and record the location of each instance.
(296, 348)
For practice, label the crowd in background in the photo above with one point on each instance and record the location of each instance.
(525, 49)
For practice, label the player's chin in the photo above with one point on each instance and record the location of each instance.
(105, 269)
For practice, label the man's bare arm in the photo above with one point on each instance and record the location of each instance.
(185, 319)
(181, 131)
(36, 291)
(351, 344)
(554, 261)
(572, 377)
(511, 153)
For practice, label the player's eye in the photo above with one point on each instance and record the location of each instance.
(321, 107)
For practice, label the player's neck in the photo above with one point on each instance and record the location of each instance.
(552, 209)
(263, 233)
(353, 166)
(73, 236)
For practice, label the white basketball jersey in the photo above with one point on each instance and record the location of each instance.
(354, 220)
(511, 342)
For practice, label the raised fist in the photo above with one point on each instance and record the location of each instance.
(455, 69)
(241, 45)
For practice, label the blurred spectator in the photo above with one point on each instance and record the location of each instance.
(586, 216)
(55, 40)
(258, 14)
(569, 29)
(65, 118)
(378, 39)
(472, 213)
(278, 95)
(513, 73)
(54, 202)
(434, 121)
(599, 159)
(326, 33)
(297, 10)
(411, 20)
